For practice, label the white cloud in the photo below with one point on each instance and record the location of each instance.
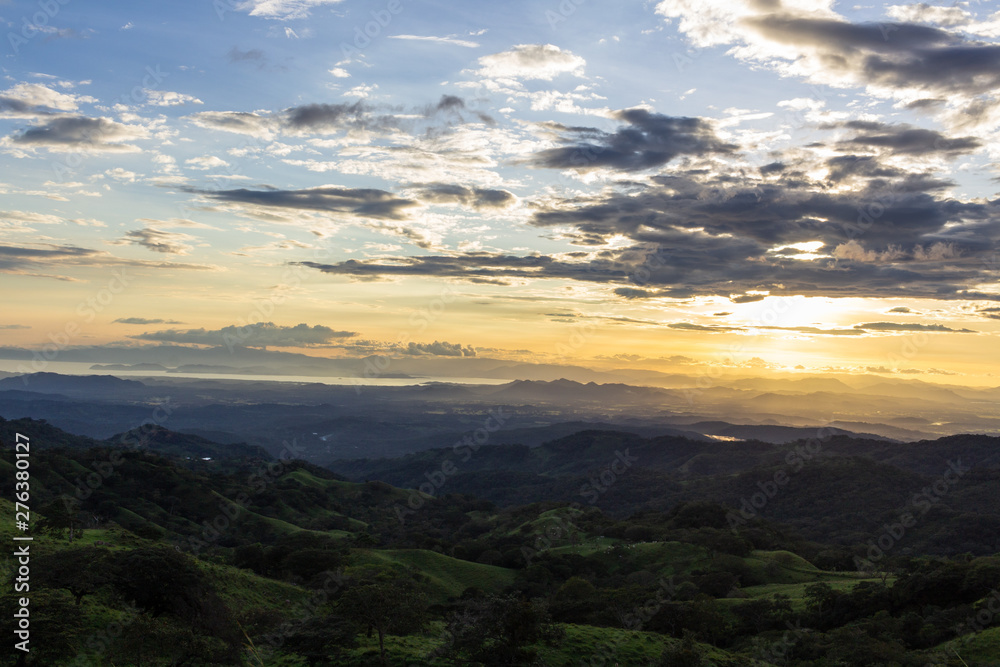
(166, 98)
(339, 72)
(25, 99)
(440, 40)
(361, 91)
(283, 10)
(122, 175)
(206, 162)
(531, 61)
(924, 13)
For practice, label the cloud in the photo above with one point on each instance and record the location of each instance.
(158, 240)
(648, 140)
(31, 217)
(143, 320)
(29, 100)
(39, 259)
(13, 327)
(472, 197)
(900, 309)
(896, 326)
(531, 61)
(924, 13)
(439, 40)
(206, 162)
(361, 203)
(122, 175)
(807, 39)
(442, 349)
(71, 133)
(992, 313)
(747, 298)
(333, 117)
(249, 56)
(282, 10)
(903, 139)
(166, 98)
(265, 334)
(239, 122)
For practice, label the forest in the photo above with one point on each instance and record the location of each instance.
(150, 552)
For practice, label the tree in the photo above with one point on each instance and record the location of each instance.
(496, 630)
(388, 606)
(59, 517)
(157, 579)
(81, 571)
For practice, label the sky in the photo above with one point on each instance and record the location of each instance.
(770, 185)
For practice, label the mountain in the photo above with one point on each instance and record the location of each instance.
(569, 391)
(772, 433)
(837, 493)
(207, 562)
(73, 385)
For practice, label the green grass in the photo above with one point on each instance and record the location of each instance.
(981, 649)
(581, 644)
(797, 591)
(243, 589)
(448, 577)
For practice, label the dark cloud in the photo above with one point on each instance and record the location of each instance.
(143, 320)
(33, 260)
(324, 118)
(891, 55)
(449, 102)
(251, 56)
(480, 267)
(900, 309)
(15, 106)
(79, 133)
(13, 327)
(241, 122)
(442, 349)
(358, 202)
(747, 298)
(992, 313)
(688, 326)
(905, 139)
(896, 326)
(647, 140)
(265, 334)
(472, 197)
(171, 243)
(635, 293)
(334, 117)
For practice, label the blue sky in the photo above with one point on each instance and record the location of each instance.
(808, 182)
